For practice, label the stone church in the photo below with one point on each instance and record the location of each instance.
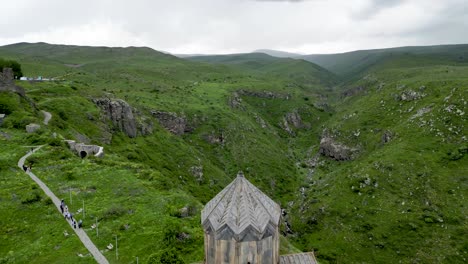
(241, 227)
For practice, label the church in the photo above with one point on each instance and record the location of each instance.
(241, 226)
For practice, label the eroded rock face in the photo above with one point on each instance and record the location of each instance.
(330, 148)
(290, 121)
(175, 124)
(120, 113)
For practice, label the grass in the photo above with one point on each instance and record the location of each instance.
(403, 199)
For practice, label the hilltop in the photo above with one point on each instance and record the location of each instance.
(369, 162)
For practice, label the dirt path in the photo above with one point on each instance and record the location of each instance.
(47, 117)
(80, 232)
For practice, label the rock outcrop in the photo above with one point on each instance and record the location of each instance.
(330, 148)
(264, 94)
(292, 120)
(120, 113)
(7, 82)
(175, 124)
(410, 95)
(235, 101)
(215, 138)
(31, 128)
(387, 136)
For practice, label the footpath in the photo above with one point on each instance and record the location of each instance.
(98, 256)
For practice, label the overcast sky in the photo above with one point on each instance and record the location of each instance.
(231, 26)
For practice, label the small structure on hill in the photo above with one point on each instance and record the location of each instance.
(85, 150)
(241, 226)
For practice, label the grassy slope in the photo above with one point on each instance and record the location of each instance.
(300, 71)
(156, 167)
(398, 199)
(330, 217)
(351, 64)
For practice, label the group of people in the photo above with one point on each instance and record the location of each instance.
(26, 168)
(69, 216)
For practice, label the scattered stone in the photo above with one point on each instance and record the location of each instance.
(31, 128)
(421, 112)
(197, 172)
(410, 95)
(260, 121)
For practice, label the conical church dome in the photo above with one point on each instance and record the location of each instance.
(241, 212)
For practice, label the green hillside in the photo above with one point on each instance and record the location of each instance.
(297, 70)
(397, 192)
(350, 64)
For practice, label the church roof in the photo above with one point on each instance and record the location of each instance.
(300, 258)
(241, 210)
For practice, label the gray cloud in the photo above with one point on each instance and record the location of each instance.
(227, 26)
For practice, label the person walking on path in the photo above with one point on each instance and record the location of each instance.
(87, 242)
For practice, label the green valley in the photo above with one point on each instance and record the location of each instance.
(365, 151)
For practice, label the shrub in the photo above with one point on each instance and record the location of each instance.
(114, 211)
(166, 256)
(32, 197)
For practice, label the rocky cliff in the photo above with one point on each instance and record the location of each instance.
(120, 113)
(175, 124)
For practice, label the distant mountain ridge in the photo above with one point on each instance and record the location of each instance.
(279, 53)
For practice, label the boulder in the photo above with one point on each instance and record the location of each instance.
(294, 119)
(120, 113)
(387, 136)
(335, 150)
(31, 128)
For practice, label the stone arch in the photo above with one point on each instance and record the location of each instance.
(83, 154)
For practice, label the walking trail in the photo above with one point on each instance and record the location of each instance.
(47, 117)
(79, 231)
